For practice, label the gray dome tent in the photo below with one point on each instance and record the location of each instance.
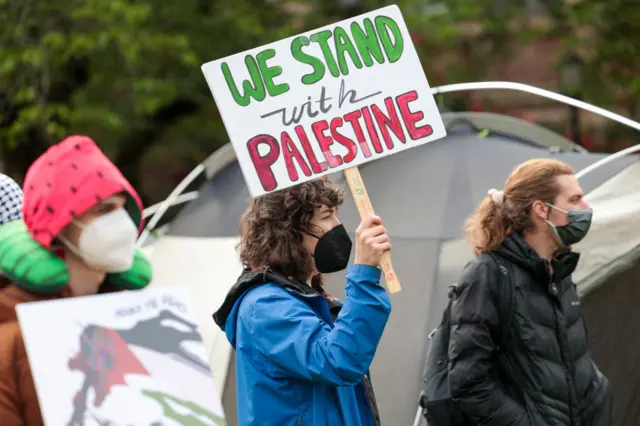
(423, 196)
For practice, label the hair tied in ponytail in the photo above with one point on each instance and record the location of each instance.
(496, 196)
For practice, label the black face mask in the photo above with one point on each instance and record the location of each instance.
(576, 228)
(333, 250)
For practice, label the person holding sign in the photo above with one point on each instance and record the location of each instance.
(301, 356)
(325, 101)
(77, 237)
(537, 370)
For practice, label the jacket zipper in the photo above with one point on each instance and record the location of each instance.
(553, 289)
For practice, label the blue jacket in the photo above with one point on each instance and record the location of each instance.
(294, 365)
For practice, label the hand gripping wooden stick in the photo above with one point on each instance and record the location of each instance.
(365, 208)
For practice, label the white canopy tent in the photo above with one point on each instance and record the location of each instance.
(614, 236)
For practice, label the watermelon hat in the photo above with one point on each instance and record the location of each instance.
(64, 182)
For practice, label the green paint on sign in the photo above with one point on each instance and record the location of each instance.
(269, 73)
(365, 45)
(361, 43)
(343, 46)
(367, 42)
(194, 410)
(304, 58)
(384, 24)
(252, 89)
(261, 75)
(322, 38)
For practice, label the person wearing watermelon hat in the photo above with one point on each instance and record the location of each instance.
(80, 222)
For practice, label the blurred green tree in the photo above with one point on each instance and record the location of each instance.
(611, 45)
(127, 72)
(121, 71)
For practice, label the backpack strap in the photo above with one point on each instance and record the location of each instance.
(437, 350)
(440, 350)
(445, 323)
(506, 297)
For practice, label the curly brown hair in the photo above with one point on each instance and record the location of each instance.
(271, 229)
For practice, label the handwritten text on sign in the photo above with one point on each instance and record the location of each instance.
(325, 100)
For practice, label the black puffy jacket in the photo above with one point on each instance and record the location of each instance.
(544, 374)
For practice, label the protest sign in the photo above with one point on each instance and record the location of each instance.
(131, 358)
(324, 101)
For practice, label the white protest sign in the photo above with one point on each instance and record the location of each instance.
(131, 358)
(325, 100)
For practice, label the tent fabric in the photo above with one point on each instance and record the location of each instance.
(611, 311)
(423, 196)
(463, 167)
(608, 278)
(216, 211)
(616, 207)
(515, 128)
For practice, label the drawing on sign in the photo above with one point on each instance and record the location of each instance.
(105, 358)
(325, 100)
(141, 352)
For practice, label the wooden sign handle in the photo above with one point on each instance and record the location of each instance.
(365, 208)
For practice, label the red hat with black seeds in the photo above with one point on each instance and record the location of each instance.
(66, 181)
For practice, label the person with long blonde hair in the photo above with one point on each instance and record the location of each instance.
(542, 372)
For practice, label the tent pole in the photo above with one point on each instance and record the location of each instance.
(508, 85)
(183, 198)
(168, 202)
(607, 160)
(212, 165)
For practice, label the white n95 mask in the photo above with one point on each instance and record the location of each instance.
(107, 243)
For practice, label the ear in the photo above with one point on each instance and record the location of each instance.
(540, 209)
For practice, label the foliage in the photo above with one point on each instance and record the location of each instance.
(119, 70)
(606, 35)
(127, 72)
(473, 35)
(614, 58)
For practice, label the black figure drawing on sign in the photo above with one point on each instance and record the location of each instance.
(105, 356)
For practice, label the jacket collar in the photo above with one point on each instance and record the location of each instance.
(252, 278)
(11, 295)
(517, 250)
